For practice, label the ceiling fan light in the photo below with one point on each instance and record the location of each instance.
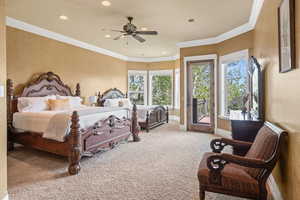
(63, 17)
(144, 29)
(106, 3)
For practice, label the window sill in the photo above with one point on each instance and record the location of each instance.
(224, 117)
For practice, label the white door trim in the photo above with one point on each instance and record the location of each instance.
(199, 58)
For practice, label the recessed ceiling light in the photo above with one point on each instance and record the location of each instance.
(164, 53)
(107, 36)
(106, 3)
(63, 17)
(144, 29)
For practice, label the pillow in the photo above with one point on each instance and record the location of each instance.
(34, 104)
(121, 103)
(59, 104)
(111, 103)
(75, 102)
(124, 103)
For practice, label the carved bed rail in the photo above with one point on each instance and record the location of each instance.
(102, 135)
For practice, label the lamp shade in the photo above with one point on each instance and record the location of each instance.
(93, 99)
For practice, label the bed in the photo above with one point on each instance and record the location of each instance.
(87, 130)
(149, 117)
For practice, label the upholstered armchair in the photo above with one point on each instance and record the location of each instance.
(242, 176)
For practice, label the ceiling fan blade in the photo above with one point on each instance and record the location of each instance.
(138, 38)
(147, 32)
(118, 37)
(117, 31)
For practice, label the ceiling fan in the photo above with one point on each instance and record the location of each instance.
(131, 29)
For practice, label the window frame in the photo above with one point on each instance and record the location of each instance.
(145, 76)
(176, 88)
(152, 73)
(243, 54)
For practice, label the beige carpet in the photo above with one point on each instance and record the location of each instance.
(162, 166)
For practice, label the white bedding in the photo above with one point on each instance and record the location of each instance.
(142, 112)
(56, 124)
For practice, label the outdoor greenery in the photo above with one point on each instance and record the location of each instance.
(161, 90)
(136, 89)
(236, 84)
(201, 88)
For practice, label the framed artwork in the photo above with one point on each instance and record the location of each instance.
(286, 29)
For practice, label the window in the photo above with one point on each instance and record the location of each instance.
(161, 91)
(137, 87)
(234, 79)
(177, 89)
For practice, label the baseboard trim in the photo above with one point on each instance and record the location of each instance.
(223, 133)
(5, 197)
(275, 192)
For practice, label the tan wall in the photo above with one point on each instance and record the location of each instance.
(3, 162)
(29, 54)
(282, 95)
(244, 41)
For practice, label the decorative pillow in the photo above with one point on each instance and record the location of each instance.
(34, 104)
(111, 103)
(59, 104)
(75, 102)
(121, 103)
(124, 103)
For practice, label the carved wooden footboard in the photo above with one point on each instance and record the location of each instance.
(156, 117)
(103, 135)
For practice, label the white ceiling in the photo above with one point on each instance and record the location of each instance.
(87, 18)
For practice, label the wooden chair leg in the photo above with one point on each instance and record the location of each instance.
(202, 193)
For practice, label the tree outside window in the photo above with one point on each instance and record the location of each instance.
(161, 90)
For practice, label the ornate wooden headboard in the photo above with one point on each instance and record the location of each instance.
(112, 93)
(48, 84)
(45, 84)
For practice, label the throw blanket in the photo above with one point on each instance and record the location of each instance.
(59, 125)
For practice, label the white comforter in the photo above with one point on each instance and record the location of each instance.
(56, 124)
(142, 112)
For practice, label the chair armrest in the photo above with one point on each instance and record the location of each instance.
(217, 145)
(217, 162)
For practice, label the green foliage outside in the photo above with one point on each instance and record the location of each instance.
(136, 83)
(236, 82)
(201, 88)
(161, 90)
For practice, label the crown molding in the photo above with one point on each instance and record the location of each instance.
(159, 59)
(250, 25)
(256, 8)
(59, 37)
(62, 38)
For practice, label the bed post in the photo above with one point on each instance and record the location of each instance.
(78, 93)
(134, 125)
(167, 113)
(75, 145)
(147, 121)
(99, 99)
(10, 96)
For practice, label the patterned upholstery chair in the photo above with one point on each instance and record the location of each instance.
(242, 176)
